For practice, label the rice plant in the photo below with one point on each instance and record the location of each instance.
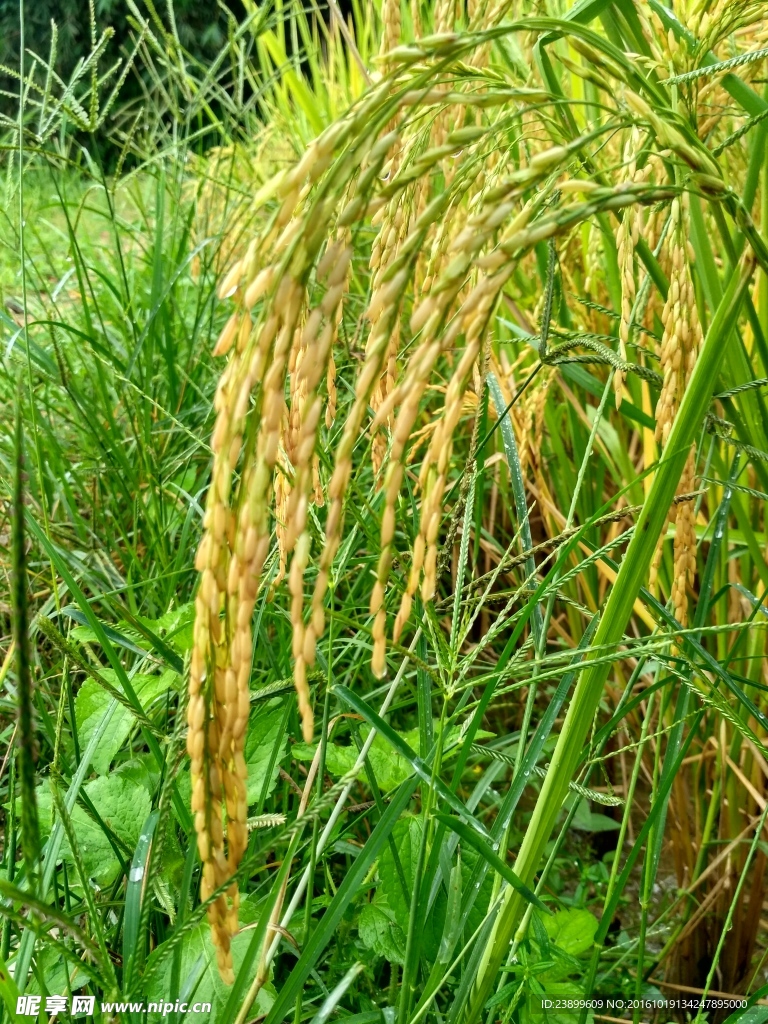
(412, 362)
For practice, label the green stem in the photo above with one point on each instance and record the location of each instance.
(410, 964)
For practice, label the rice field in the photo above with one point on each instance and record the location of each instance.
(384, 456)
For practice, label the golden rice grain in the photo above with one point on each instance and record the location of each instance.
(452, 223)
(679, 348)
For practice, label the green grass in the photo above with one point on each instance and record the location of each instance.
(556, 791)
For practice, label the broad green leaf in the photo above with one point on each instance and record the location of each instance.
(554, 990)
(407, 837)
(572, 930)
(263, 733)
(123, 807)
(587, 820)
(92, 701)
(199, 974)
(752, 1015)
(380, 932)
(54, 970)
(389, 767)
(176, 626)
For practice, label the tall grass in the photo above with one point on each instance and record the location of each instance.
(489, 288)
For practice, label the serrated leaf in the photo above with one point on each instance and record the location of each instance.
(573, 931)
(176, 626)
(406, 836)
(123, 806)
(92, 701)
(389, 767)
(380, 932)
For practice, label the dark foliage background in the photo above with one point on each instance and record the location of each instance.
(201, 24)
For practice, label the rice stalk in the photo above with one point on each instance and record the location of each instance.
(415, 161)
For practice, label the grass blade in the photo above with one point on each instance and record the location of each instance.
(420, 767)
(492, 859)
(134, 897)
(344, 896)
(333, 998)
(30, 825)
